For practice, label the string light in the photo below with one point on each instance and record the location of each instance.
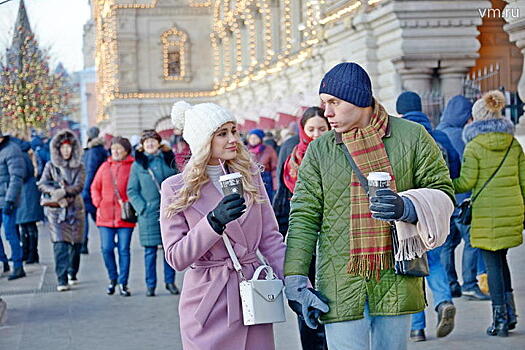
(174, 39)
(229, 47)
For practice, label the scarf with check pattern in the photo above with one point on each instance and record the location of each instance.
(370, 239)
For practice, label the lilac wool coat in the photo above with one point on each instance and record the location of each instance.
(210, 307)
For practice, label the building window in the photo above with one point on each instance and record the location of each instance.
(175, 54)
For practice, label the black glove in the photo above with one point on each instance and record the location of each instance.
(387, 205)
(229, 208)
(9, 207)
(313, 313)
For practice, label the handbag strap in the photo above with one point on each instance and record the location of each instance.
(115, 188)
(493, 174)
(154, 179)
(236, 264)
(362, 179)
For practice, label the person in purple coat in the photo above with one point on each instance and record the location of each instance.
(194, 216)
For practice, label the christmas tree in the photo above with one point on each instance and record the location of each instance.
(30, 96)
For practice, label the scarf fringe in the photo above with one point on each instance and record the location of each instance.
(369, 265)
(410, 249)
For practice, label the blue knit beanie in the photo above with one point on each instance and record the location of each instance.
(257, 132)
(407, 102)
(349, 82)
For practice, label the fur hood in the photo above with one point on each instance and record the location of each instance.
(167, 155)
(480, 127)
(76, 156)
(97, 141)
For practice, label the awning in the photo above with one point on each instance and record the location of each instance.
(266, 123)
(284, 119)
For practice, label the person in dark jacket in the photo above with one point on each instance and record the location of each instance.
(12, 171)
(457, 114)
(63, 180)
(266, 157)
(94, 155)
(409, 106)
(40, 145)
(29, 211)
(312, 125)
(153, 164)
(281, 201)
(108, 191)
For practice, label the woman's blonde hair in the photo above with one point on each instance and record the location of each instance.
(195, 176)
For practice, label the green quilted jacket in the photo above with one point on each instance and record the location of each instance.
(319, 219)
(497, 214)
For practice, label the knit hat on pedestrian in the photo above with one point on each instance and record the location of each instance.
(199, 122)
(150, 134)
(93, 132)
(124, 142)
(408, 102)
(258, 132)
(489, 106)
(349, 82)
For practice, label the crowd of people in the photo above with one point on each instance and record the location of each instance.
(305, 208)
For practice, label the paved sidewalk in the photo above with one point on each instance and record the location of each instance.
(87, 319)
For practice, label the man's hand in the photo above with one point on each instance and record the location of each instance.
(387, 205)
(311, 303)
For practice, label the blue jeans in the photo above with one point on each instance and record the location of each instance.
(107, 242)
(150, 263)
(67, 260)
(438, 284)
(472, 261)
(498, 274)
(11, 235)
(86, 223)
(369, 333)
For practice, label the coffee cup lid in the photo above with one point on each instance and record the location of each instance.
(379, 176)
(230, 176)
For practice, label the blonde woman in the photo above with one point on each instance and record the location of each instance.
(194, 215)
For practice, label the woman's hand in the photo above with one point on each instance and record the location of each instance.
(229, 208)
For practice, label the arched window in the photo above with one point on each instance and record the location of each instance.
(175, 54)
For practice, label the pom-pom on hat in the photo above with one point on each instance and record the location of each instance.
(199, 122)
(489, 106)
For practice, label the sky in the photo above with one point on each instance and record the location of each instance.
(58, 25)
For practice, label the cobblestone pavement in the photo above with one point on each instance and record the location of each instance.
(86, 318)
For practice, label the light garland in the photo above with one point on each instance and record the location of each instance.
(226, 41)
(174, 38)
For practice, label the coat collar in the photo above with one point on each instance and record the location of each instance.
(208, 200)
(339, 136)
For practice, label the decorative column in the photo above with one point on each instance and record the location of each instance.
(516, 29)
(452, 79)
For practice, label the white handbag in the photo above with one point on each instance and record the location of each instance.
(262, 300)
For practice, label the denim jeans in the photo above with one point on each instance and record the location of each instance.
(438, 284)
(369, 333)
(86, 223)
(472, 261)
(108, 244)
(498, 275)
(150, 263)
(11, 235)
(67, 260)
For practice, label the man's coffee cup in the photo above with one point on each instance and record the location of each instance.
(377, 180)
(231, 183)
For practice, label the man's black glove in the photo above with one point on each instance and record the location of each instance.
(387, 205)
(313, 313)
(229, 208)
(9, 207)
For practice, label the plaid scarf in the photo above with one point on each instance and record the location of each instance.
(370, 239)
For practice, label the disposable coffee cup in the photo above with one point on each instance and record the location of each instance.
(377, 180)
(231, 183)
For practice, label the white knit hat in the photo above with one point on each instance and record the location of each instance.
(489, 106)
(199, 122)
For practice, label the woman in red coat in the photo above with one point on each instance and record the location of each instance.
(108, 191)
(266, 157)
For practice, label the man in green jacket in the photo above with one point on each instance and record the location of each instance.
(368, 304)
